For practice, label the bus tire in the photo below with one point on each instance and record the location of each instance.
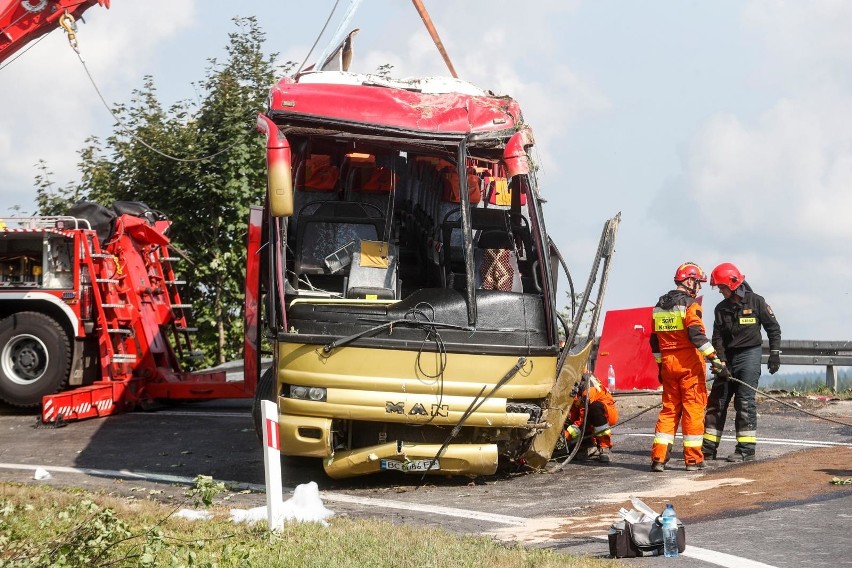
(35, 358)
(265, 391)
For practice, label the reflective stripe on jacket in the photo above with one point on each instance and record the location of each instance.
(596, 392)
(678, 325)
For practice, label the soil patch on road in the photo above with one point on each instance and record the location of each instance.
(721, 492)
(802, 476)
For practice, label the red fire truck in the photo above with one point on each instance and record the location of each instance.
(91, 318)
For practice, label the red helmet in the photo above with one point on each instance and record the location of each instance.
(689, 270)
(726, 274)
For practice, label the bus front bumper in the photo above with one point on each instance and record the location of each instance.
(456, 459)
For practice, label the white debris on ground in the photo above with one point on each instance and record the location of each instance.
(41, 474)
(194, 515)
(304, 506)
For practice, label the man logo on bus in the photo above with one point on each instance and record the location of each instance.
(442, 410)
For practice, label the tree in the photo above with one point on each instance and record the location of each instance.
(48, 200)
(568, 316)
(152, 157)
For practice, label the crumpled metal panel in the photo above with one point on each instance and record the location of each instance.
(456, 459)
(557, 408)
(455, 113)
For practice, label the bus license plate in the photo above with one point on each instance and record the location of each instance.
(414, 465)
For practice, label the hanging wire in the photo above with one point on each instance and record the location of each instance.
(338, 34)
(778, 400)
(29, 47)
(72, 40)
(658, 405)
(66, 22)
(126, 129)
(322, 31)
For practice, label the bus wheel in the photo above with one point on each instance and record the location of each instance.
(35, 358)
(265, 391)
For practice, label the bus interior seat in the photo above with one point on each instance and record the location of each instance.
(328, 226)
(374, 272)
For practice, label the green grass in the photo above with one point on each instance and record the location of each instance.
(809, 383)
(806, 389)
(43, 526)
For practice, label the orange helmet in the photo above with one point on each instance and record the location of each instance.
(726, 274)
(689, 270)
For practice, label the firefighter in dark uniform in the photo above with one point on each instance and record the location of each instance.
(737, 341)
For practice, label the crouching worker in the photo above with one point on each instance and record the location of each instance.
(596, 442)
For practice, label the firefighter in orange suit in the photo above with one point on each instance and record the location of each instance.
(680, 346)
(602, 415)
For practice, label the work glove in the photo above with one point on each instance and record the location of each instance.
(576, 390)
(723, 374)
(719, 368)
(572, 432)
(774, 362)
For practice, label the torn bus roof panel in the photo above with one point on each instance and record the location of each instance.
(451, 107)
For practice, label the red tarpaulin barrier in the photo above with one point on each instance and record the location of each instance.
(624, 344)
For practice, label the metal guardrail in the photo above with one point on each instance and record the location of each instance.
(832, 354)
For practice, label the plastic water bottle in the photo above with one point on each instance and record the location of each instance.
(610, 379)
(669, 532)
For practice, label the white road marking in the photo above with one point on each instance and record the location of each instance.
(706, 555)
(244, 415)
(122, 474)
(717, 558)
(432, 509)
(770, 441)
(334, 497)
(722, 559)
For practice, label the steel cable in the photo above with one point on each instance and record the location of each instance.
(767, 395)
(316, 41)
(477, 401)
(126, 129)
(568, 459)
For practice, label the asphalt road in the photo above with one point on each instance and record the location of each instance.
(768, 513)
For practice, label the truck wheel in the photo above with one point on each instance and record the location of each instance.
(265, 391)
(35, 358)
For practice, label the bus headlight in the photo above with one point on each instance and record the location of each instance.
(316, 394)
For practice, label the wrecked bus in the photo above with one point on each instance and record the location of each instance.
(401, 272)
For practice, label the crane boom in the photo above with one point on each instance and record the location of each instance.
(24, 21)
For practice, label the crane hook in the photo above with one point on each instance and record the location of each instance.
(66, 22)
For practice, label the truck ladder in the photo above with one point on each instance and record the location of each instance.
(136, 314)
(113, 318)
(160, 269)
(116, 316)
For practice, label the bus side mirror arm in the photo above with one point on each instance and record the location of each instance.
(279, 180)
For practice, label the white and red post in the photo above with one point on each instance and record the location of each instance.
(272, 465)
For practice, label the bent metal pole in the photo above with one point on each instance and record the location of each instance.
(421, 9)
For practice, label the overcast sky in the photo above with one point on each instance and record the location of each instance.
(721, 130)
